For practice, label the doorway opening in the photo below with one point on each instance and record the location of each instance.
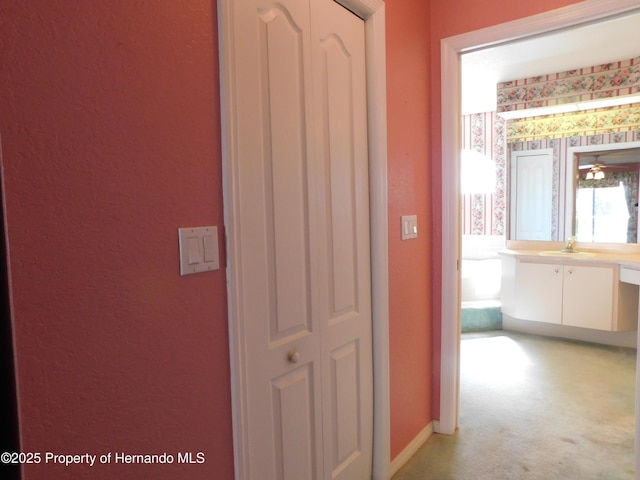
(452, 48)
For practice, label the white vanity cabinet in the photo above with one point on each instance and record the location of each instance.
(569, 293)
(588, 296)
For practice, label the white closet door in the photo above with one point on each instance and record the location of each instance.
(301, 208)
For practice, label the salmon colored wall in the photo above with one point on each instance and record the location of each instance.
(109, 117)
(449, 18)
(409, 260)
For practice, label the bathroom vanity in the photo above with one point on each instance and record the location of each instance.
(578, 295)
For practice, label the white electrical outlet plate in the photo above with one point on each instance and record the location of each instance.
(198, 249)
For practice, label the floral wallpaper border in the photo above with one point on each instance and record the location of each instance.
(606, 120)
(601, 81)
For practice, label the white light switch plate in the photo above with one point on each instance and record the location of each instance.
(409, 227)
(198, 249)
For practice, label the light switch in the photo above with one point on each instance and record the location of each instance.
(198, 249)
(193, 253)
(211, 248)
(409, 227)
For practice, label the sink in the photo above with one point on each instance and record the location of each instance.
(560, 253)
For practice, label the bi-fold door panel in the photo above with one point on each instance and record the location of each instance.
(275, 196)
(303, 199)
(340, 95)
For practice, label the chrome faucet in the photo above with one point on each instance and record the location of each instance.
(569, 247)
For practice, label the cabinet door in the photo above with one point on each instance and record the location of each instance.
(539, 292)
(588, 297)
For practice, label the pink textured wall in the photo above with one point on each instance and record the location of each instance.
(449, 18)
(409, 194)
(109, 117)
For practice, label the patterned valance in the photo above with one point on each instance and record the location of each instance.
(607, 120)
(573, 86)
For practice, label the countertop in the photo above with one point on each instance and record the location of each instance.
(550, 252)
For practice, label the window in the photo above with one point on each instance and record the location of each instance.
(602, 214)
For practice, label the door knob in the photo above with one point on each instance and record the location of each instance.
(293, 356)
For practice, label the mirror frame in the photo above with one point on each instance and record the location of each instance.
(570, 170)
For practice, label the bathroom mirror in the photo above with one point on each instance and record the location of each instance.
(602, 208)
(605, 195)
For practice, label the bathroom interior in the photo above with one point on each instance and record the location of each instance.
(535, 131)
(544, 167)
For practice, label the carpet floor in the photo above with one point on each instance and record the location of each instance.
(536, 408)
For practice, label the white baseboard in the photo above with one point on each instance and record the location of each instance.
(411, 449)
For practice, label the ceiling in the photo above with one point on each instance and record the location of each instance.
(610, 157)
(606, 41)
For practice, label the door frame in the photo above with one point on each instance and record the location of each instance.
(451, 48)
(373, 14)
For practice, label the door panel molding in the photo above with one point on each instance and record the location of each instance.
(347, 443)
(373, 13)
(291, 395)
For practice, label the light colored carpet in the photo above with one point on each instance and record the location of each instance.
(536, 408)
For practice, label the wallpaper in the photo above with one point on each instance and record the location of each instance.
(605, 120)
(485, 214)
(489, 134)
(572, 86)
